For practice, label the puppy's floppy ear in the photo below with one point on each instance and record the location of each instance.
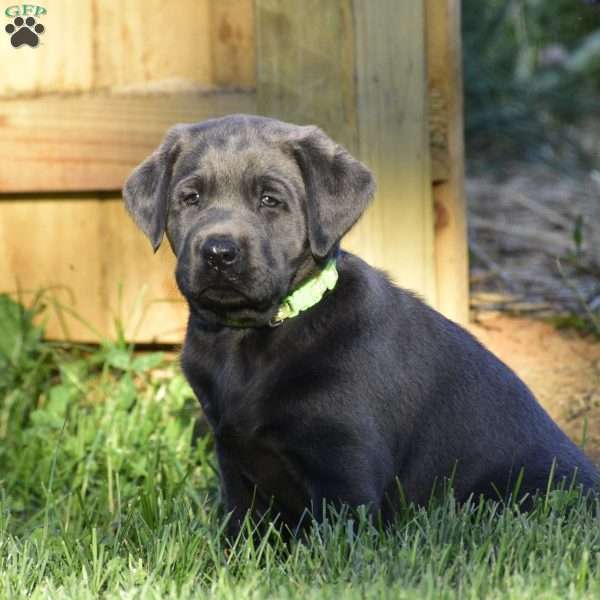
(146, 191)
(338, 188)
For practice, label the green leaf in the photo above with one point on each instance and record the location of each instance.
(118, 358)
(59, 398)
(146, 362)
(180, 388)
(74, 372)
(125, 392)
(18, 334)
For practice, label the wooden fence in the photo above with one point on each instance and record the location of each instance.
(81, 109)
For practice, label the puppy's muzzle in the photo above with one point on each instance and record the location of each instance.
(220, 253)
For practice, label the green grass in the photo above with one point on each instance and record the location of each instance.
(103, 495)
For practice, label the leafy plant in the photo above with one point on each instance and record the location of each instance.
(518, 101)
(26, 363)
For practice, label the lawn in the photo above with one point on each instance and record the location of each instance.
(102, 494)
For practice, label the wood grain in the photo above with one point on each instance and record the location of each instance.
(63, 60)
(445, 81)
(96, 45)
(232, 44)
(305, 66)
(394, 140)
(91, 259)
(92, 142)
(144, 41)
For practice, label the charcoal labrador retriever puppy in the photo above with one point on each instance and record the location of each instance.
(321, 380)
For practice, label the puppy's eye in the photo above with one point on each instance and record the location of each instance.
(269, 201)
(191, 199)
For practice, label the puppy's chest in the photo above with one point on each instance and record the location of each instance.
(243, 413)
(235, 397)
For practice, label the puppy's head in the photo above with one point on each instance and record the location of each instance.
(251, 206)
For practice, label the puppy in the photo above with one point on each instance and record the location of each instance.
(321, 380)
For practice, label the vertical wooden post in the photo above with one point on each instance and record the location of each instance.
(357, 68)
(445, 82)
(232, 44)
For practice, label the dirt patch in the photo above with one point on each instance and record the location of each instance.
(561, 368)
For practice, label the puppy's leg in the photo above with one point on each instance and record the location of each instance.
(238, 494)
(347, 480)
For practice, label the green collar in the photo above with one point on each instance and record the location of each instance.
(302, 298)
(308, 294)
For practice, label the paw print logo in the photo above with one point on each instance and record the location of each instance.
(24, 31)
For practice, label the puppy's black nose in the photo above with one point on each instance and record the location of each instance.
(220, 253)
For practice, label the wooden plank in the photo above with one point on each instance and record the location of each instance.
(394, 140)
(63, 60)
(358, 71)
(305, 67)
(445, 80)
(438, 135)
(232, 44)
(92, 142)
(160, 42)
(88, 142)
(93, 45)
(91, 259)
